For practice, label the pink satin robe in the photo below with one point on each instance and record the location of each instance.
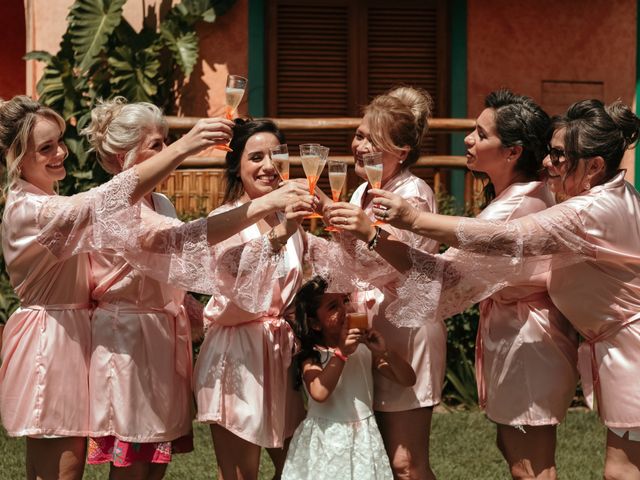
(526, 351)
(44, 387)
(591, 244)
(140, 370)
(242, 378)
(425, 348)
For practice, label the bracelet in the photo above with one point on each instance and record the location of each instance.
(338, 354)
(276, 243)
(373, 243)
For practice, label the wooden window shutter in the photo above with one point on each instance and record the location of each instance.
(328, 58)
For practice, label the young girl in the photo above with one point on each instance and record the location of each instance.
(339, 437)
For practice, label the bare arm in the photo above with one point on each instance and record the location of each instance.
(321, 382)
(388, 362)
(206, 133)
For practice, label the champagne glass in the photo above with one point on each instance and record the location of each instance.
(313, 158)
(234, 91)
(357, 316)
(337, 179)
(280, 160)
(373, 168)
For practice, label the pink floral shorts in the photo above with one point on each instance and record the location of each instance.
(125, 454)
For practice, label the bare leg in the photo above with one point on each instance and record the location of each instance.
(56, 458)
(237, 458)
(622, 459)
(138, 471)
(406, 439)
(530, 455)
(278, 456)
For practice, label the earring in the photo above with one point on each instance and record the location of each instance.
(587, 185)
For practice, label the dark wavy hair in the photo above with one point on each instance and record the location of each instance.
(243, 130)
(519, 122)
(594, 129)
(307, 302)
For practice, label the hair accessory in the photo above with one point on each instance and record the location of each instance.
(373, 243)
(338, 354)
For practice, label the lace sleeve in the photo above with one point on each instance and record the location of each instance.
(101, 218)
(347, 264)
(556, 230)
(492, 255)
(246, 272)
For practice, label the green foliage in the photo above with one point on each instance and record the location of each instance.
(460, 386)
(102, 56)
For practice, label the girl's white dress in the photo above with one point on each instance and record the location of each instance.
(340, 439)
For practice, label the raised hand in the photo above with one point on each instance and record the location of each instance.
(293, 196)
(375, 342)
(393, 209)
(350, 338)
(350, 217)
(207, 132)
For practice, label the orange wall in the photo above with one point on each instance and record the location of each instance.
(223, 47)
(519, 44)
(12, 38)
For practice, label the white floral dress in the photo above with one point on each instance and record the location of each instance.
(339, 439)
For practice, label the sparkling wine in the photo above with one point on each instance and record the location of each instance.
(281, 164)
(310, 165)
(336, 180)
(358, 320)
(234, 96)
(374, 174)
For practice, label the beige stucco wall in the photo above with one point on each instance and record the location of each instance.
(525, 45)
(223, 47)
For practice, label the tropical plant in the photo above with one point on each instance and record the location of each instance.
(460, 386)
(102, 56)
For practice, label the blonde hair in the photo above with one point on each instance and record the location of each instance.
(118, 128)
(398, 119)
(17, 119)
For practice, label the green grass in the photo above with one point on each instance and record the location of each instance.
(462, 448)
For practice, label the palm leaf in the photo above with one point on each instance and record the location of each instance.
(183, 45)
(90, 24)
(134, 74)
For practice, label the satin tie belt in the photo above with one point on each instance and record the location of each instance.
(588, 363)
(183, 354)
(54, 307)
(485, 309)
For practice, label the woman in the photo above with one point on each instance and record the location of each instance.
(592, 238)
(43, 237)
(40, 235)
(243, 385)
(140, 327)
(521, 333)
(395, 124)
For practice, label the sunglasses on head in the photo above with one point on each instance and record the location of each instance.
(556, 156)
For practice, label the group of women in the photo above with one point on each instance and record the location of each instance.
(101, 345)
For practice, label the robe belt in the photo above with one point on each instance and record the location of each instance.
(485, 309)
(54, 307)
(183, 354)
(588, 363)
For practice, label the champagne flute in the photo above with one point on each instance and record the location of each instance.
(357, 316)
(337, 179)
(280, 160)
(373, 169)
(234, 91)
(313, 157)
